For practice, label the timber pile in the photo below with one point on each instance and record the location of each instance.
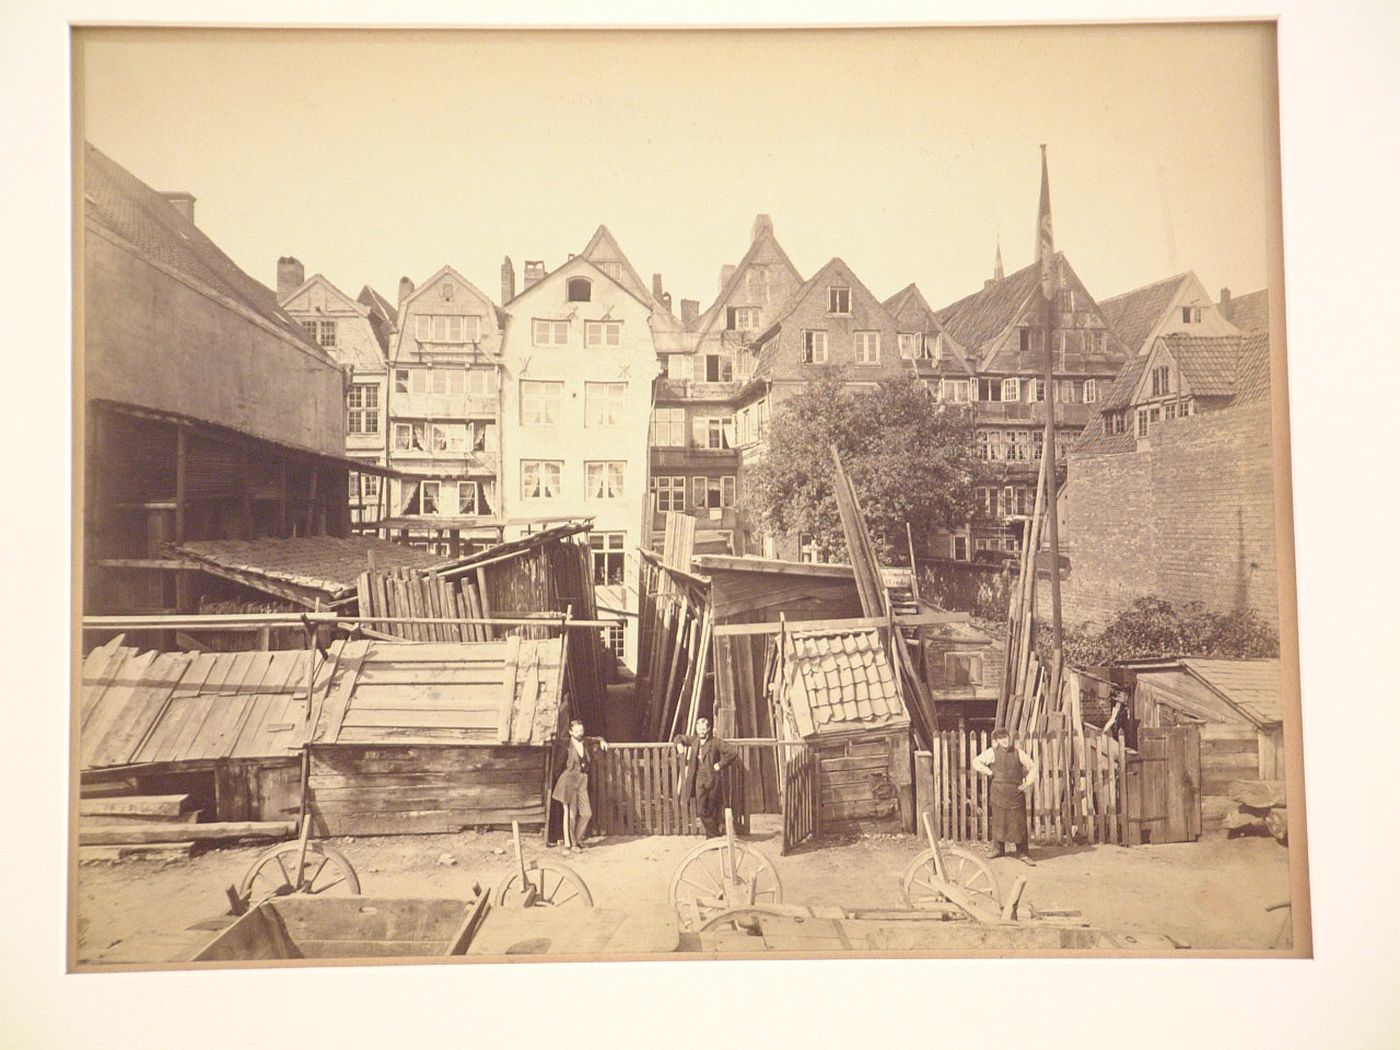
(156, 827)
(673, 646)
(1260, 806)
(875, 601)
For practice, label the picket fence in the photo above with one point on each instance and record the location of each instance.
(636, 790)
(1080, 793)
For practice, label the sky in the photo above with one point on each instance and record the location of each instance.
(370, 155)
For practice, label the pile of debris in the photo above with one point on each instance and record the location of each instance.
(1260, 806)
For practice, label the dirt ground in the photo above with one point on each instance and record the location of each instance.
(1208, 894)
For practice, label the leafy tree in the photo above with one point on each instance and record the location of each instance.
(910, 459)
(1153, 627)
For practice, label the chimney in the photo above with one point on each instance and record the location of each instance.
(666, 301)
(507, 280)
(182, 202)
(690, 312)
(405, 290)
(291, 275)
(1225, 302)
(761, 224)
(987, 283)
(534, 272)
(725, 272)
(656, 290)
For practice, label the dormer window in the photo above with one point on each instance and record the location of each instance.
(741, 319)
(321, 332)
(911, 345)
(580, 290)
(1190, 315)
(838, 300)
(1030, 339)
(1161, 381)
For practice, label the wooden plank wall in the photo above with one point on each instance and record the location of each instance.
(859, 784)
(673, 650)
(424, 790)
(1079, 794)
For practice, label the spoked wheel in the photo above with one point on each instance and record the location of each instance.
(550, 885)
(965, 870)
(746, 919)
(323, 871)
(716, 877)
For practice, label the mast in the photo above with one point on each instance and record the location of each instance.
(1049, 284)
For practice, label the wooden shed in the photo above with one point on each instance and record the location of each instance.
(226, 728)
(963, 668)
(1237, 706)
(836, 690)
(434, 737)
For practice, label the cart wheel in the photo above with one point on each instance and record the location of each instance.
(699, 889)
(323, 871)
(739, 919)
(554, 885)
(962, 868)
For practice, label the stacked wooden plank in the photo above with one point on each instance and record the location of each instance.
(161, 827)
(673, 647)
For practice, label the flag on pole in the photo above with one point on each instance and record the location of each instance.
(1045, 235)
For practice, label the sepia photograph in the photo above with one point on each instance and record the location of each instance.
(562, 495)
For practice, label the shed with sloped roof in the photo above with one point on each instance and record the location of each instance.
(836, 690)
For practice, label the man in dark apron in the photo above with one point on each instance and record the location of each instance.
(1012, 772)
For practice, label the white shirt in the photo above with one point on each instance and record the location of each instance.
(983, 763)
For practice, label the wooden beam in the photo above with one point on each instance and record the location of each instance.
(854, 624)
(154, 564)
(139, 834)
(180, 452)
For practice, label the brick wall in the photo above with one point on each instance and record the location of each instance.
(1188, 517)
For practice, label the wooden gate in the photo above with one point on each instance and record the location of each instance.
(636, 790)
(1164, 785)
(801, 798)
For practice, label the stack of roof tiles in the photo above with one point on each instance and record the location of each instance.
(846, 681)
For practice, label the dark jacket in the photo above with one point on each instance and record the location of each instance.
(700, 760)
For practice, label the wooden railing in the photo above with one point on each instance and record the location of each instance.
(1080, 793)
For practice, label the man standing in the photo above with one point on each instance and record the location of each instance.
(705, 759)
(571, 789)
(1012, 772)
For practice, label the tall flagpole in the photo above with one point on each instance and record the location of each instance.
(1049, 284)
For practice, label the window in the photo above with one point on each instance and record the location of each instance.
(1091, 391)
(479, 382)
(428, 493)
(614, 636)
(438, 433)
(602, 333)
(602, 404)
(668, 428)
(960, 548)
(323, 333)
(1145, 418)
(446, 328)
(762, 419)
(911, 345)
(363, 403)
(608, 557)
(446, 380)
(540, 478)
(719, 368)
(410, 437)
(669, 491)
(580, 290)
(1038, 445)
(1117, 422)
(466, 497)
(539, 402)
(1161, 381)
(612, 269)
(1189, 315)
(364, 486)
(1170, 409)
(1037, 390)
(603, 479)
(1011, 390)
(1031, 339)
(401, 380)
(1017, 446)
(1066, 302)
(1067, 392)
(867, 348)
(962, 669)
(741, 319)
(716, 432)
(814, 347)
(550, 333)
(838, 300)
(990, 499)
(1095, 342)
(955, 390)
(713, 493)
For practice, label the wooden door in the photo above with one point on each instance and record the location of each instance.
(1164, 785)
(801, 797)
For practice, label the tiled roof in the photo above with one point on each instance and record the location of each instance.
(908, 304)
(1252, 380)
(1249, 312)
(707, 320)
(408, 693)
(977, 318)
(1134, 314)
(1120, 394)
(1253, 686)
(323, 566)
(142, 707)
(1207, 363)
(763, 366)
(1094, 440)
(383, 315)
(119, 202)
(840, 680)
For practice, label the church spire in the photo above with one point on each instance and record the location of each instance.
(998, 274)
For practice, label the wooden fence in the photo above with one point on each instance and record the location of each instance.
(1080, 793)
(636, 790)
(801, 799)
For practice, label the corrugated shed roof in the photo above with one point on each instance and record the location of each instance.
(147, 707)
(122, 204)
(1255, 687)
(409, 693)
(840, 680)
(1134, 314)
(1249, 312)
(327, 566)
